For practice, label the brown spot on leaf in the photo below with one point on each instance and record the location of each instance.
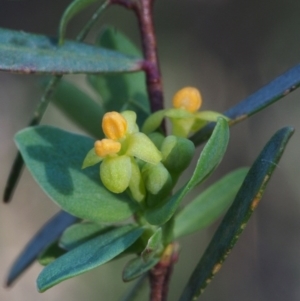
(216, 268)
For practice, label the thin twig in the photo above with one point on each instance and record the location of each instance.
(144, 12)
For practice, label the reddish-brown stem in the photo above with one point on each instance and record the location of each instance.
(160, 275)
(144, 12)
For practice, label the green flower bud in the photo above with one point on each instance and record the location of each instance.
(115, 173)
(155, 177)
(177, 153)
(157, 139)
(136, 184)
(158, 182)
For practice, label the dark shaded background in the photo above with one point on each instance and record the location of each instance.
(227, 48)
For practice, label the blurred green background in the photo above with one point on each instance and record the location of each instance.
(226, 48)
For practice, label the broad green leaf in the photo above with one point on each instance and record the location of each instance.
(51, 253)
(137, 267)
(121, 92)
(30, 53)
(79, 107)
(259, 100)
(48, 234)
(54, 158)
(210, 158)
(80, 233)
(154, 245)
(238, 215)
(87, 256)
(72, 10)
(209, 205)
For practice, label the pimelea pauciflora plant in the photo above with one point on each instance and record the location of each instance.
(117, 190)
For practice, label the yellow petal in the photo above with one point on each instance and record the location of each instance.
(114, 125)
(188, 98)
(106, 147)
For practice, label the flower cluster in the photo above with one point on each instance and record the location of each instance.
(184, 115)
(148, 166)
(119, 151)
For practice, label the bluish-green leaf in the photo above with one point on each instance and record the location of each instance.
(49, 233)
(80, 233)
(210, 158)
(259, 100)
(51, 253)
(30, 53)
(87, 256)
(137, 266)
(209, 205)
(72, 10)
(238, 215)
(121, 92)
(79, 107)
(54, 158)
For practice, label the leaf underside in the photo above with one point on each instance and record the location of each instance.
(259, 100)
(49, 233)
(30, 53)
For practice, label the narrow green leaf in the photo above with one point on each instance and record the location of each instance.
(79, 107)
(51, 253)
(121, 92)
(278, 88)
(48, 234)
(30, 53)
(72, 10)
(87, 256)
(80, 233)
(137, 267)
(154, 245)
(238, 215)
(210, 158)
(209, 205)
(54, 157)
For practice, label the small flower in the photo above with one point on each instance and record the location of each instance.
(188, 98)
(184, 116)
(117, 152)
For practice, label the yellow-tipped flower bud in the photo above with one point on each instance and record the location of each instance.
(114, 125)
(188, 98)
(106, 147)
